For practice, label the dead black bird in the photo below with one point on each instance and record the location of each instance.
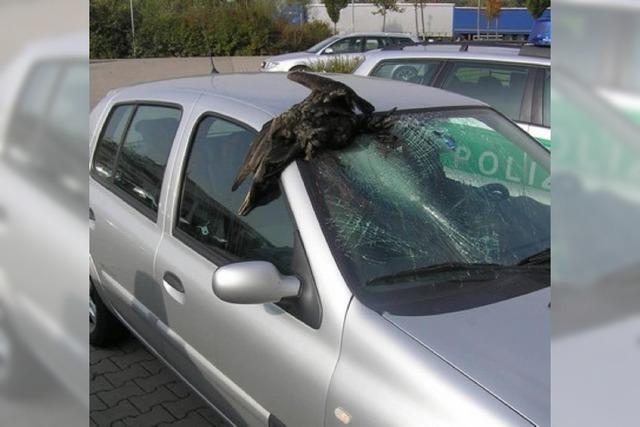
(326, 119)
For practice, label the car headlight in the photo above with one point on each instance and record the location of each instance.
(269, 65)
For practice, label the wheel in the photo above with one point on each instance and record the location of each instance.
(104, 328)
(299, 68)
(405, 73)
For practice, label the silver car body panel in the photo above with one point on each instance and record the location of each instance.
(385, 377)
(253, 361)
(502, 346)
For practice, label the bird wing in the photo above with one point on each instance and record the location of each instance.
(324, 84)
(252, 159)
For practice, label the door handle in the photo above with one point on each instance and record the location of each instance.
(173, 281)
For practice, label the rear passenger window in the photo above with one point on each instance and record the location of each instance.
(421, 71)
(501, 86)
(207, 212)
(107, 147)
(132, 152)
(144, 153)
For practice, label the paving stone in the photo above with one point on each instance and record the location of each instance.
(122, 410)
(192, 420)
(151, 382)
(179, 388)
(99, 383)
(104, 366)
(154, 365)
(99, 354)
(127, 390)
(147, 400)
(128, 359)
(133, 372)
(154, 417)
(96, 404)
(180, 408)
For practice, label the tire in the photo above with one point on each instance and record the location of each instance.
(299, 68)
(104, 328)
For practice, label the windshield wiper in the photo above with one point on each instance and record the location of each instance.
(542, 257)
(447, 267)
(474, 270)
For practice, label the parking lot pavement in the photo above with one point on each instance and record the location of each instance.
(130, 387)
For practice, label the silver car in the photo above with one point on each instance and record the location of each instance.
(346, 46)
(402, 285)
(515, 80)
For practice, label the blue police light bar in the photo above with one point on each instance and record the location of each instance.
(540, 34)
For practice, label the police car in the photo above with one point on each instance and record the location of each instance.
(514, 79)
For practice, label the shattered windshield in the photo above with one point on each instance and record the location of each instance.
(464, 191)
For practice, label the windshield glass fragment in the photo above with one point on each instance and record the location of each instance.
(462, 186)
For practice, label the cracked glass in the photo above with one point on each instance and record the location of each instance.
(460, 186)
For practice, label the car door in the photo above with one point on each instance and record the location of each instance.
(126, 196)
(255, 362)
(506, 87)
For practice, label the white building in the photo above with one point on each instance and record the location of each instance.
(438, 18)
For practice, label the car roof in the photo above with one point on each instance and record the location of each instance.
(375, 34)
(273, 93)
(476, 53)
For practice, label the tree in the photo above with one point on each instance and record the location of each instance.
(385, 6)
(537, 7)
(333, 10)
(492, 10)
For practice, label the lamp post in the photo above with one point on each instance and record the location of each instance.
(353, 15)
(133, 29)
(478, 22)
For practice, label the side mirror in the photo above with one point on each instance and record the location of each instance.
(328, 51)
(253, 282)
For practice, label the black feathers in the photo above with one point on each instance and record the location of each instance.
(326, 119)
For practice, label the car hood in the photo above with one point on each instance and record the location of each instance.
(290, 56)
(504, 347)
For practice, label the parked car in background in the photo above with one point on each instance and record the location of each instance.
(347, 46)
(384, 287)
(515, 80)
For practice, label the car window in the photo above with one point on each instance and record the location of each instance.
(143, 154)
(107, 146)
(348, 45)
(208, 207)
(373, 43)
(546, 99)
(416, 71)
(501, 86)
